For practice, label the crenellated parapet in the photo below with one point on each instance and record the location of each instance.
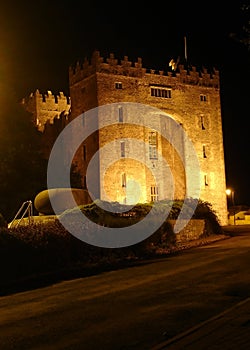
(48, 99)
(111, 65)
(46, 107)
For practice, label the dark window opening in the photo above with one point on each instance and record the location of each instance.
(120, 114)
(118, 85)
(164, 93)
(202, 123)
(122, 149)
(203, 98)
(84, 152)
(204, 152)
(84, 182)
(124, 180)
(205, 180)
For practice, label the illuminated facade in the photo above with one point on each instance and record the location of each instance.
(189, 97)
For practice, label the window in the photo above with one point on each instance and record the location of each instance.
(205, 180)
(154, 193)
(152, 140)
(204, 151)
(124, 180)
(152, 152)
(120, 114)
(118, 85)
(160, 92)
(84, 182)
(83, 120)
(122, 149)
(84, 152)
(202, 123)
(203, 98)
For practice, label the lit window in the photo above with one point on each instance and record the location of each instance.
(159, 92)
(118, 85)
(154, 193)
(152, 152)
(152, 140)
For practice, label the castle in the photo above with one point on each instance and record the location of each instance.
(185, 95)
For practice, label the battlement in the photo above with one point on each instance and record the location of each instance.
(111, 65)
(47, 98)
(46, 107)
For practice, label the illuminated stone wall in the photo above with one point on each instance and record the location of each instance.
(46, 107)
(194, 229)
(194, 103)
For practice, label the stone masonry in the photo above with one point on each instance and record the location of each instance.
(46, 107)
(189, 96)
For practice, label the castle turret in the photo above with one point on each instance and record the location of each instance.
(46, 107)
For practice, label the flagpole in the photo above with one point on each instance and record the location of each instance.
(185, 47)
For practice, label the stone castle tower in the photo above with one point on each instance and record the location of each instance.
(46, 107)
(128, 174)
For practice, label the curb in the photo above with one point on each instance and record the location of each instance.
(180, 336)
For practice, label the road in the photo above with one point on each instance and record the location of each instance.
(133, 308)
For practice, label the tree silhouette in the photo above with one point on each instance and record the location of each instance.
(243, 34)
(22, 166)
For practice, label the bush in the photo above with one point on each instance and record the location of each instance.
(112, 217)
(15, 257)
(48, 246)
(204, 211)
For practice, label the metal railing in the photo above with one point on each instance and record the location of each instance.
(26, 211)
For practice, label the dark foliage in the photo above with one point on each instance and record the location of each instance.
(3, 222)
(23, 170)
(41, 248)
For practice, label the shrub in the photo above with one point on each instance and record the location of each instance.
(164, 236)
(15, 257)
(47, 246)
(205, 211)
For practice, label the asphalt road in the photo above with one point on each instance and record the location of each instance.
(134, 308)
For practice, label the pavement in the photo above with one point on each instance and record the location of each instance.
(228, 330)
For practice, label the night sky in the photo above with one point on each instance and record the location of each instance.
(39, 40)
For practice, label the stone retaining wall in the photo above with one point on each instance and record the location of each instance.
(194, 229)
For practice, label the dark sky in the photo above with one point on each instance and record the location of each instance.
(40, 39)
